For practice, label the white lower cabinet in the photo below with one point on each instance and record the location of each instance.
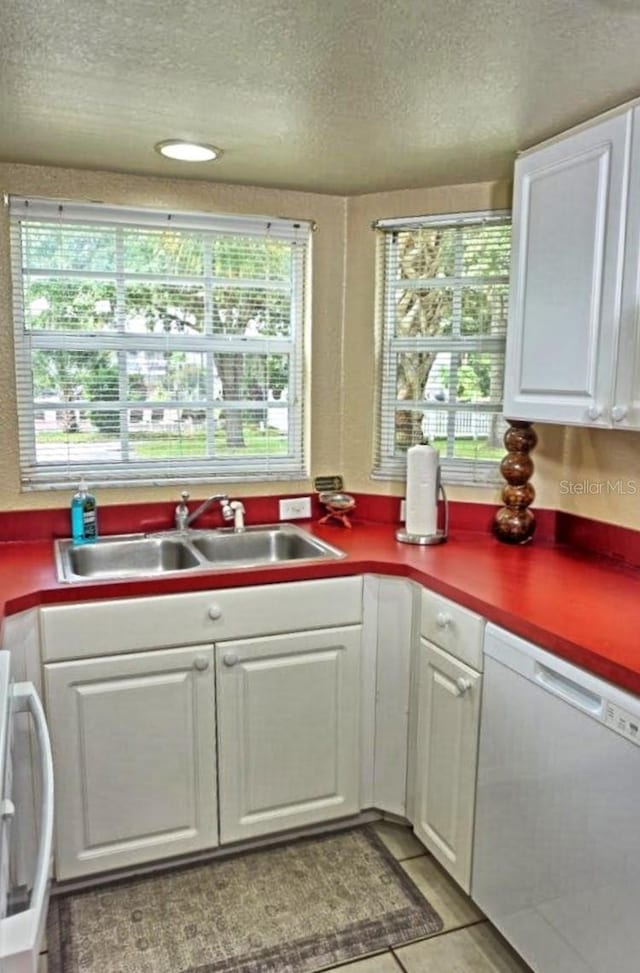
(448, 706)
(169, 751)
(288, 730)
(133, 739)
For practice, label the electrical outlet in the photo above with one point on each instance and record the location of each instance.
(297, 508)
(403, 511)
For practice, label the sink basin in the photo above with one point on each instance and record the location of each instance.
(140, 556)
(262, 545)
(124, 557)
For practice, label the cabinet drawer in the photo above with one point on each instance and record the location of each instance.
(453, 628)
(127, 625)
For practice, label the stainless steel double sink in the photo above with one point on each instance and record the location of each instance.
(141, 555)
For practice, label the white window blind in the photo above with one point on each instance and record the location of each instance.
(157, 347)
(443, 293)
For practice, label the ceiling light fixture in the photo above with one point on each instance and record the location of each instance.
(187, 151)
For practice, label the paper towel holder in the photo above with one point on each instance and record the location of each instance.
(440, 535)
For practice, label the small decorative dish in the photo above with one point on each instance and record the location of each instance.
(338, 506)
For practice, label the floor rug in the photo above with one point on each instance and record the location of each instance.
(292, 908)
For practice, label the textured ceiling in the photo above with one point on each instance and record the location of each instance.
(339, 96)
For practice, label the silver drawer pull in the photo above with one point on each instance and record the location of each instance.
(443, 619)
(201, 663)
(215, 611)
(230, 659)
(463, 686)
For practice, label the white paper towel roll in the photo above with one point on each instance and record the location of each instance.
(422, 490)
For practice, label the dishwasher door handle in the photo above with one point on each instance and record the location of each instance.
(568, 690)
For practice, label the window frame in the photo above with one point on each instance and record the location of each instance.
(59, 474)
(388, 463)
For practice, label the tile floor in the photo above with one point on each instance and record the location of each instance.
(468, 943)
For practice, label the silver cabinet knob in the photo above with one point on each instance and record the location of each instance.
(619, 412)
(463, 686)
(215, 611)
(201, 663)
(443, 619)
(230, 659)
(594, 411)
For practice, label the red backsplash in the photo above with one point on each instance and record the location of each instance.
(132, 518)
(596, 537)
(462, 515)
(592, 536)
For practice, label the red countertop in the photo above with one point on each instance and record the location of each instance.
(584, 608)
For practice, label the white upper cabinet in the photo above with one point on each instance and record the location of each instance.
(566, 323)
(626, 398)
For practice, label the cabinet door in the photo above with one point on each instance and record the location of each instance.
(566, 275)
(134, 756)
(288, 730)
(446, 758)
(626, 401)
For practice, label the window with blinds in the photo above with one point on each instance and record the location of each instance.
(157, 347)
(443, 292)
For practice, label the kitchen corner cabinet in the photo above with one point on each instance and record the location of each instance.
(446, 758)
(288, 730)
(135, 766)
(446, 705)
(572, 345)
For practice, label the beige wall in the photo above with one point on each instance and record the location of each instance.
(600, 476)
(329, 212)
(576, 470)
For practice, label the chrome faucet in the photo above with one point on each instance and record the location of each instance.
(184, 519)
(231, 510)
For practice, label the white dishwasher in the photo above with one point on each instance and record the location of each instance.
(557, 832)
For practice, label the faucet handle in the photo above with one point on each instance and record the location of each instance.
(226, 508)
(237, 507)
(182, 512)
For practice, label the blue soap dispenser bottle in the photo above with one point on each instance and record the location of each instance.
(84, 515)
